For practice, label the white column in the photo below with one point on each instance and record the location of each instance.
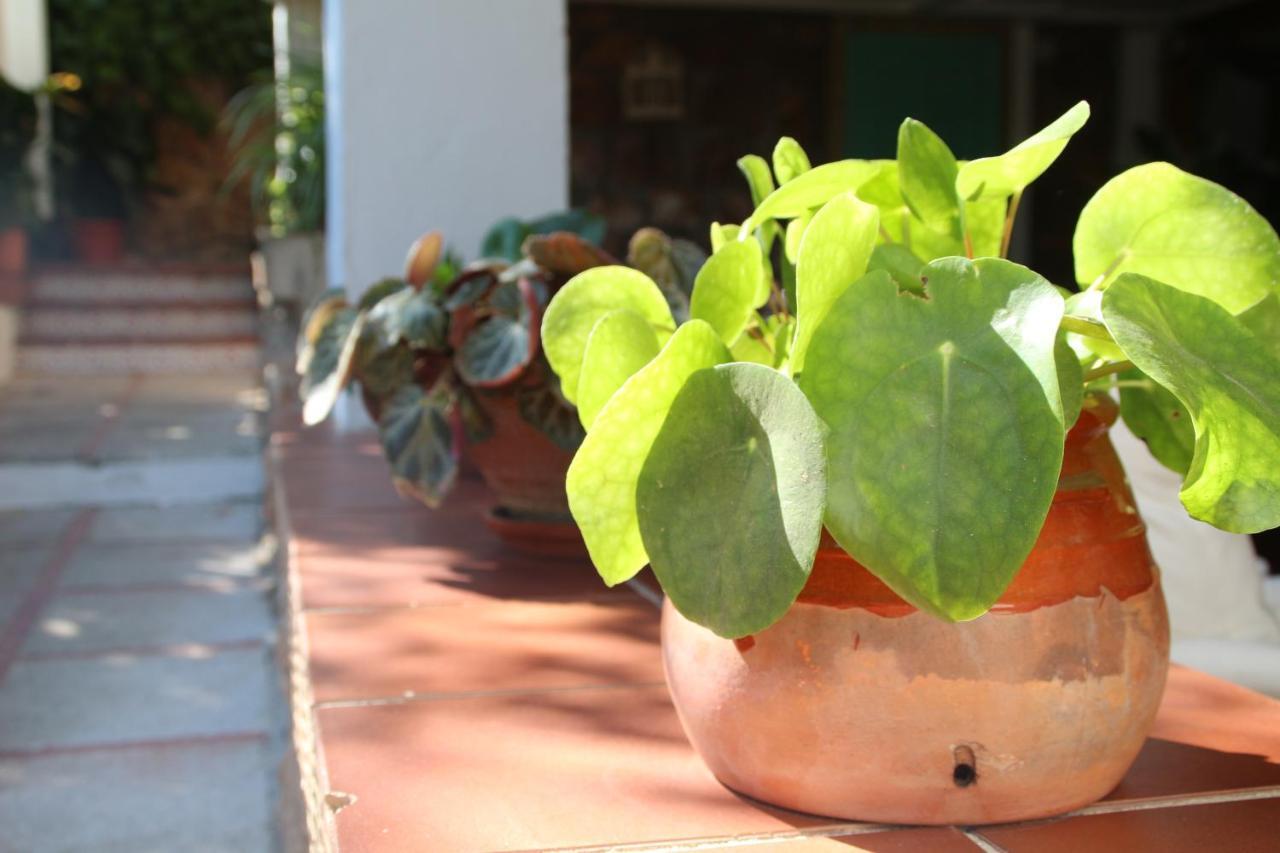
(24, 62)
(445, 114)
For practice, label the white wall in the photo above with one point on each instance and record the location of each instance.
(444, 114)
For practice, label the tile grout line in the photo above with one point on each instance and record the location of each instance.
(15, 635)
(126, 745)
(411, 696)
(982, 842)
(89, 448)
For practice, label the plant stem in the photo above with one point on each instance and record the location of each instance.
(1107, 369)
(1085, 326)
(884, 235)
(1010, 215)
(754, 332)
(968, 246)
(1097, 283)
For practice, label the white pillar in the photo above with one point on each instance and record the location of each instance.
(445, 114)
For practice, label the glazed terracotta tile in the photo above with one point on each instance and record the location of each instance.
(509, 646)
(1251, 826)
(1210, 735)
(416, 556)
(528, 771)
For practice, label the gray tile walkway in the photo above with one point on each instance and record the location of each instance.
(139, 707)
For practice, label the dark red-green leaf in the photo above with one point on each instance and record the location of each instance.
(501, 346)
(417, 440)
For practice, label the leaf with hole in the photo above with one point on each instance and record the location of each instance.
(1229, 383)
(602, 478)
(947, 427)
(731, 497)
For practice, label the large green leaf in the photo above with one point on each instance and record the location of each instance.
(947, 427)
(789, 160)
(812, 189)
(331, 367)
(1158, 418)
(499, 348)
(731, 497)
(1263, 319)
(579, 305)
(417, 440)
(621, 343)
(726, 290)
(1161, 222)
(1230, 384)
(1013, 170)
(927, 176)
(833, 255)
(602, 478)
(899, 262)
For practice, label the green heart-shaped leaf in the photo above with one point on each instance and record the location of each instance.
(1230, 384)
(602, 478)
(1187, 232)
(621, 343)
(1013, 170)
(811, 190)
(789, 160)
(579, 305)
(726, 289)
(833, 255)
(946, 426)
(731, 497)
(417, 440)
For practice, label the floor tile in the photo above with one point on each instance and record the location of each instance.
(144, 619)
(125, 698)
(209, 797)
(212, 564)
(20, 565)
(910, 840)
(528, 771)
(501, 647)
(1190, 750)
(239, 521)
(184, 480)
(1242, 827)
(20, 527)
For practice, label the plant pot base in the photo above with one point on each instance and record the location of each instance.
(537, 536)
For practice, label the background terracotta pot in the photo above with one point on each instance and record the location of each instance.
(13, 251)
(526, 472)
(99, 241)
(856, 705)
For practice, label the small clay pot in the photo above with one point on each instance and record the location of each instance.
(857, 706)
(99, 241)
(525, 470)
(13, 251)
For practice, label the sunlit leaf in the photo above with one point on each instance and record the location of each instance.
(579, 305)
(620, 344)
(602, 479)
(756, 171)
(1187, 232)
(927, 177)
(1158, 418)
(1013, 170)
(812, 190)
(789, 160)
(330, 369)
(727, 288)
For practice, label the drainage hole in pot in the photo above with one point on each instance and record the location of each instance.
(966, 769)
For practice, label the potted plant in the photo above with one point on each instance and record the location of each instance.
(276, 133)
(450, 357)
(905, 578)
(17, 133)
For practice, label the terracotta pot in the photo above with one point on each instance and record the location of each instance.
(857, 706)
(13, 251)
(99, 241)
(525, 471)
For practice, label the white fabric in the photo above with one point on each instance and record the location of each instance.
(1212, 579)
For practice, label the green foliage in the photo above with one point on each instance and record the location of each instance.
(1011, 172)
(929, 402)
(812, 190)
(789, 160)
(620, 343)
(744, 439)
(1229, 385)
(1158, 418)
(927, 174)
(417, 440)
(726, 291)
(603, 477)
(505, 240)
(1187, 232)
